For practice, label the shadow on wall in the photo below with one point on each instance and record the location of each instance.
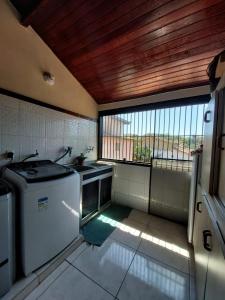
(169, 190)
(131, 186)
(170, 194)
(25, 127)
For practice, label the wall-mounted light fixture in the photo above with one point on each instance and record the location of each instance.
(49, 78)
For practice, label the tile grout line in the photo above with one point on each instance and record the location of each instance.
(24, 288)
(127, 270)
(137, 251)
(187, 273)
(64, 260)
(163, 263)
(115, 297)
(120, 242)
(189, 278)
(87, 276)
(50, 283)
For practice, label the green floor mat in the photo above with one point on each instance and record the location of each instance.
(99, 228)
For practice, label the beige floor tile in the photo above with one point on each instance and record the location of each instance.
(106, 265)
(128, 232)
(47, 282)
(71, 285)
(150, 279)
(139, 216)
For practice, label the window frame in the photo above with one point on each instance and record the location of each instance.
(195, 100)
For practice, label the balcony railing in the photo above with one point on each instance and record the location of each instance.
(165, 135)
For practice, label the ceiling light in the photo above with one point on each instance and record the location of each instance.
(49, 78)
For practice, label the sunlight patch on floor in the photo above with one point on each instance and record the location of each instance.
(165, 244)
(153, 239)
(121, 226)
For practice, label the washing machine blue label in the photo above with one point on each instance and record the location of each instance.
(43, 203)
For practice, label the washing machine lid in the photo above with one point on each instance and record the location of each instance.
(4, 188)
(40, 170)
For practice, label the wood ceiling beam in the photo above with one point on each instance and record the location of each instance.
(165, 34)
(183, 85)
(155, 76)
(118, 37)
(127, 49)
(144, 74)
(172, 59)
(157, 81)
(180, 45)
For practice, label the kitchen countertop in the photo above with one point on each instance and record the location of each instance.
(93, 167)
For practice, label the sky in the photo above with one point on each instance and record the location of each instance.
(184, 120)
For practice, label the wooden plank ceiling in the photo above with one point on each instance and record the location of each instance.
(121, 49)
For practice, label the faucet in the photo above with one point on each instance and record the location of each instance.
(68, 150)
(89, 149)
(31, 155)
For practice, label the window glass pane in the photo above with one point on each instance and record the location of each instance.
(167, 135)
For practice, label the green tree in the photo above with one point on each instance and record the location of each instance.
(142, 153)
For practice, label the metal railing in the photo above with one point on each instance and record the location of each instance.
(168, 135)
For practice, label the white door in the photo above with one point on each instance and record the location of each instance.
(200, 253)
(215, 287)
(209, 137)
(221, 151)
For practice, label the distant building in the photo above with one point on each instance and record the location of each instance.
(115, 144)
(120, 146)
(169, 148)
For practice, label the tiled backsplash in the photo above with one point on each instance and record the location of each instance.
(169, 190)
(25, 127)
(131, 186)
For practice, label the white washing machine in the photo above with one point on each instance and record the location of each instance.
(6, 239)
(49, 202)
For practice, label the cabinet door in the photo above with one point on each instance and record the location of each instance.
(209, 128)
(105, 194)
(215, 284)
(220, 190)
(90, 198)
(200, 253)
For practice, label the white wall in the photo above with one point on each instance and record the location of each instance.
(23, 58)
(169, 190)
(131, 186)
(25, 127)
(170, 194)
(177, 94)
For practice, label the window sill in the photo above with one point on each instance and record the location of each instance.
(140, 164)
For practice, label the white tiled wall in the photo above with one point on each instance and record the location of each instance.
(169, 190)
(25, 127)
(131, 186)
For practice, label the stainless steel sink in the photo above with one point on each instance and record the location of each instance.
(82, 168)
(98, 165)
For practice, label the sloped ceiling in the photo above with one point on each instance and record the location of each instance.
(123, 49)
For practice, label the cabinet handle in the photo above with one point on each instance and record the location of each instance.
(207, 234)
(220, 141)
(206, 119)
(198, 206)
